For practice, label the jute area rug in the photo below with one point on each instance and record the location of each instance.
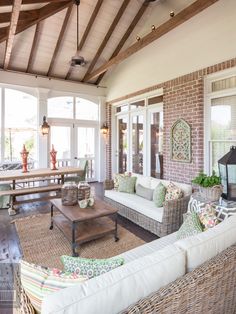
(44, 247)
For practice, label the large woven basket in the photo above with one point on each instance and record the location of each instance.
(212, 194)
(69, 194)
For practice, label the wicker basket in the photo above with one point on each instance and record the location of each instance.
(69, 194)
(212, 194)
(83, 191)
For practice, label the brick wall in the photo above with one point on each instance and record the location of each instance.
(108, 143)
(183, 98)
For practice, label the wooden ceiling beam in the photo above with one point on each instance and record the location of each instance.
(44, 12)
(34, 47)
(128, 32)
(60, 38)
(163, 29)
(106, 38)
(5, 17)
(10, 2)
(11, 32)
(86, 32)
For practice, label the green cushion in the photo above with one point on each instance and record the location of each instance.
(127, 184)
(191, 226)
(159, 195)
(90, 267)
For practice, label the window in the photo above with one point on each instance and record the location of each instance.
(220, 118)
(223, 127)
(86, 110)
(60, 107)
(20, 125)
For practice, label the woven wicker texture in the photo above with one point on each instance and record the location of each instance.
(210, 288)
(44, 247)
(172, 216)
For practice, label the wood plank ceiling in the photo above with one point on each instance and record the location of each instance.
(39, 36)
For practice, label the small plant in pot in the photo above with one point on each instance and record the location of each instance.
(210, 187)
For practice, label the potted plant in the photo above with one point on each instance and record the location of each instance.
(210, 187)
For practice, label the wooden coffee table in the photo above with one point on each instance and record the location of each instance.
(81, 225)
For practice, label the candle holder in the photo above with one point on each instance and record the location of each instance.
(53, 154)
(24, 155)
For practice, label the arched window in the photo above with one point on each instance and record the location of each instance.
(20, 125)
(86, 110)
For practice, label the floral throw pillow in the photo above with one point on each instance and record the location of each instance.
(127, 184)
(208, 217)
(117, 176)
(173, 192)
(90, 267)
(159, 195)
(190, 227)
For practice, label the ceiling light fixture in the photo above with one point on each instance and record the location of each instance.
(77, 60)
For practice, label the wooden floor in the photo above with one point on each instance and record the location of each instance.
(10, 251)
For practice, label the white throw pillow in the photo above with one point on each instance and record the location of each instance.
(203, 246)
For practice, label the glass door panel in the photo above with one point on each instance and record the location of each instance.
(86, 148)
(137, 144)
(156, 142)
(61, 139)
(122, 144)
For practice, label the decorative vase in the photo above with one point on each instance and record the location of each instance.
(24, 155)
(83, 190)
(53, 154)
(69, 194)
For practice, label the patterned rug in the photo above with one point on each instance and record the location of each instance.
(44, 247)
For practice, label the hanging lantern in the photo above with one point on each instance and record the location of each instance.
(45, 127)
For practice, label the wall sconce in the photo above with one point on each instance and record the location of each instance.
(45, 127)
(104, 128)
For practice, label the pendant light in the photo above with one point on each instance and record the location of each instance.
(77, 60)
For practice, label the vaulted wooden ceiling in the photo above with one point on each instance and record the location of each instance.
(39, 36)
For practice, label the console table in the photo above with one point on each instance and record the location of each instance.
(17, 180)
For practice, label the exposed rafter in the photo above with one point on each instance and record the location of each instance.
(34, 47)
(9, 2)
(107, 37)
(11, 32)
(43, 13)
(127, 34)
(60, 38)
(172, 23)
(86, 32)
(5, 17)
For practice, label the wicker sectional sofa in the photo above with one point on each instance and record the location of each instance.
(160, 221)
(193, 275)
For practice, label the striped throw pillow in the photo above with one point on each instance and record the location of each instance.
(39, 281)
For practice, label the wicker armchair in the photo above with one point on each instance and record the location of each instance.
(172, 214)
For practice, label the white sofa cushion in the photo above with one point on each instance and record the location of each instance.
(140, 204)
(148, 248)
(203, 246)
(114, 291)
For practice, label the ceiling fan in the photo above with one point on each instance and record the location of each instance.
(77, 60)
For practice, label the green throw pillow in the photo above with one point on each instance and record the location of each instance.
(90, 267)
(159, 195)
(190, 227)
(127, 184)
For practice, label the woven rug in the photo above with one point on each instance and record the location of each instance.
(44, 247)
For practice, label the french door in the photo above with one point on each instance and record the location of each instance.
(73, 142)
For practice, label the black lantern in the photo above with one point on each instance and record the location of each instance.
(227, 170)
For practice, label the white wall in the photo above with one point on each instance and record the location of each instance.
(206, 39)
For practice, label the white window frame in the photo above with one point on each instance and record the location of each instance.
(209, 95)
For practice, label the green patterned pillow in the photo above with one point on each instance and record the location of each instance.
(90, 267)
(159, 195)
(190, 227)
(39, 281)
(127, 184)
(117, 176)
